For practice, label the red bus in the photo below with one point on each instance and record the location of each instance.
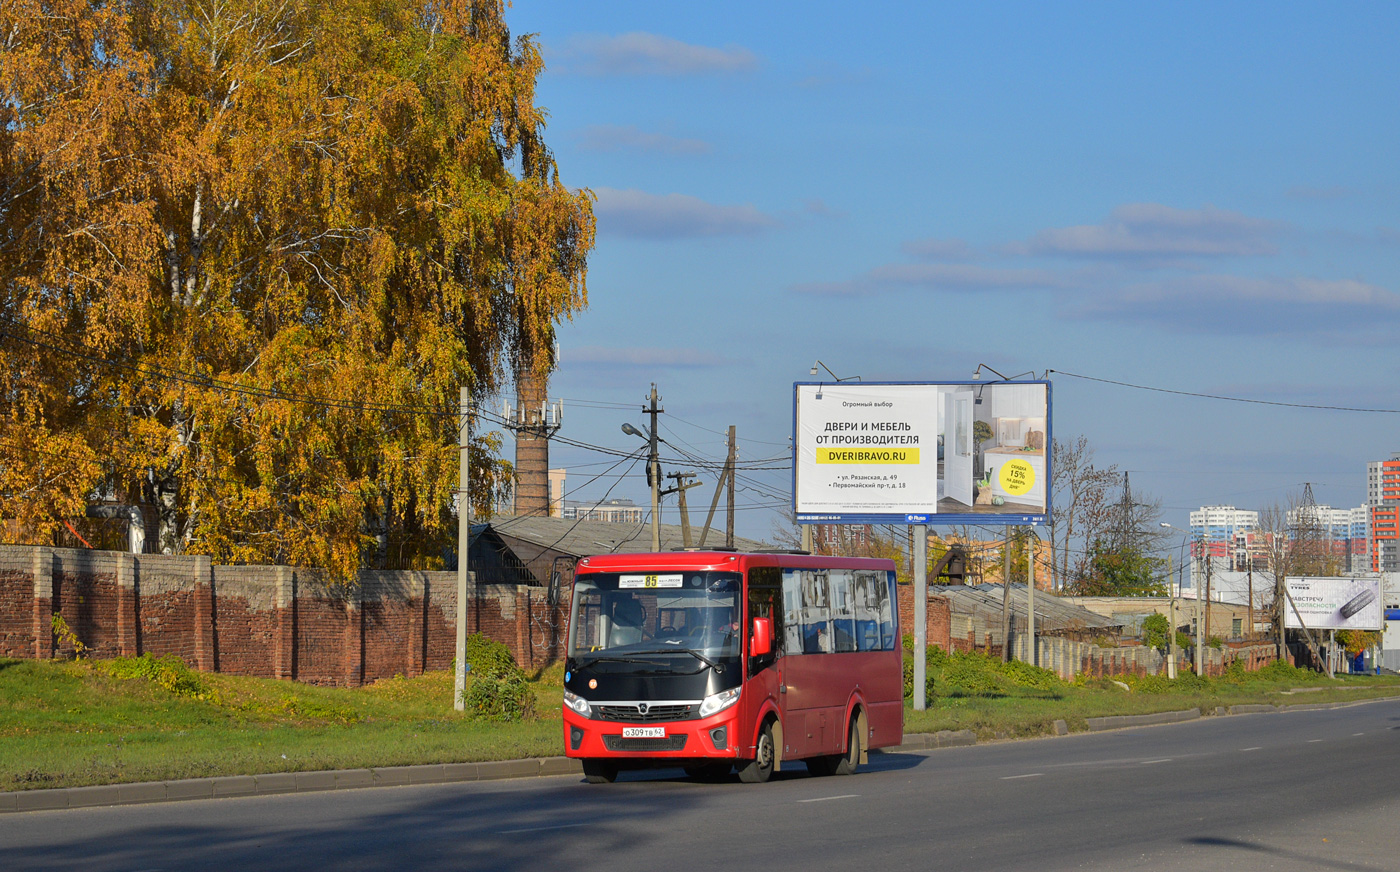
(712, 660)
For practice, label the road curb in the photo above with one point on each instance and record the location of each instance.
(275, 783)
(1116, 722)
(940, 739)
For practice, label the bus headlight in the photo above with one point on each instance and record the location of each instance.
(719, 702)
(578, 704)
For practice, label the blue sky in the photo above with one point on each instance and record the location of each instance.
(1190, 196)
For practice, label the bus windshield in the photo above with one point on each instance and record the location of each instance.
(644, 614)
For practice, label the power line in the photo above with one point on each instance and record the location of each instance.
(1206, 396)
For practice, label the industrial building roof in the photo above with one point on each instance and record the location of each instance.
(983, 604)
(580, 538)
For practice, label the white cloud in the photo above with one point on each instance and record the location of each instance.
(1249, 306)
(608, 137)
(649, 54)
(641, 215)
(1154, 231)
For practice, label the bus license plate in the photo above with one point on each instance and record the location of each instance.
(643, 732)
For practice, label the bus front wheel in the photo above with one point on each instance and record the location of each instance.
(760, 768)
(599, 771)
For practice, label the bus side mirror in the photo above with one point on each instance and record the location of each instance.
(762, 641)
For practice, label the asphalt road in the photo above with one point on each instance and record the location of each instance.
(1298, 790)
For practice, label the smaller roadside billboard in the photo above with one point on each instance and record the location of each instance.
(1334, 603)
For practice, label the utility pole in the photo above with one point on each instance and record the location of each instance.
(464, 530)
(654, 472)
(728, 476)
(1171, 620)
(1200, 626)
(730, 461)
(1209, 563)
(679, 490)
(1249, 631)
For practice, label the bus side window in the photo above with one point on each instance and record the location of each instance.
(816, 599)
(792, 612)
(843, 629)
(868, 587)
(766, 601)
(889, 634)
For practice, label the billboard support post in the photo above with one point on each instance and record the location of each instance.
(1006, 598)
(1313, 646)
(1030, 597)
(921, 618)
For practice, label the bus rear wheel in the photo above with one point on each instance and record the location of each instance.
(599, 771)
(760, 768)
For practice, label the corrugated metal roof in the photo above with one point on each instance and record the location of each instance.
(580, 538)
(983, 605)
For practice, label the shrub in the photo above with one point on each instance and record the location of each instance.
(501, 698)
(934, 659)
(975, 674)
(168, 672)
(1154, 630)
(488, 657)
(1280, 670)
(1024, 674)
(499, 689)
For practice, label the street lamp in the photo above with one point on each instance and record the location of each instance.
(838, 378)
(653, 469)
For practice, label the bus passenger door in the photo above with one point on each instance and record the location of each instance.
(764, 674)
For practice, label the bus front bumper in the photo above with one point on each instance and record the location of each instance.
(708, 738)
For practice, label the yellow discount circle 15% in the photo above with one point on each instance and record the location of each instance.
(1017, 477)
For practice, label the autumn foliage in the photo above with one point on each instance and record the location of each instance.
(249, 252)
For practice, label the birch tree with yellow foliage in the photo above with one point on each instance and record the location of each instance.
(249, 252)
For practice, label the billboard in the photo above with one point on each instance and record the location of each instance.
(921, 453)
(1334, 603)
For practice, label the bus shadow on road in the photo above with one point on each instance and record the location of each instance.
(796, 770)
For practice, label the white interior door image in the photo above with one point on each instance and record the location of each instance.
(958, 445)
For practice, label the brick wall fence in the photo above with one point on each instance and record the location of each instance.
(1064, 653)
(268, 621)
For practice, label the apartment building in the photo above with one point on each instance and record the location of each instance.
(1383, 505)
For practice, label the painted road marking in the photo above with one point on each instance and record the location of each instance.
(1014, 777)
(825, 798)
(1255, 748)
(1150, 762)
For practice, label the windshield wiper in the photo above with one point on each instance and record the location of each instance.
(617, 658)
(717, 667)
